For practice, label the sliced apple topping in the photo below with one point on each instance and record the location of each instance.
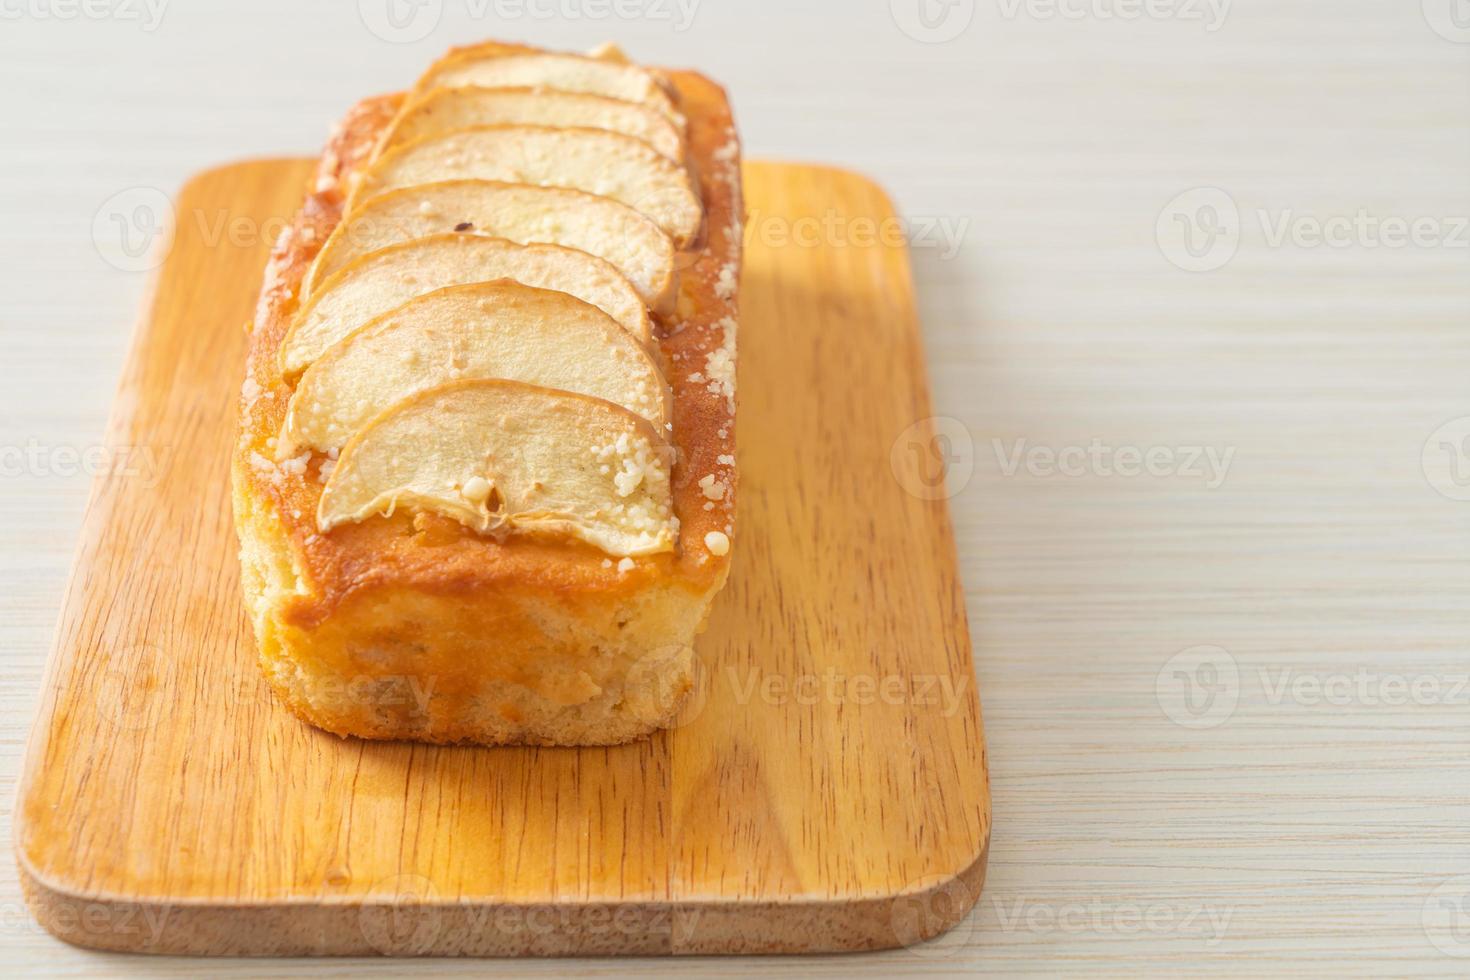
(560, 72)
(592, 160)
(518, 212)
(380, 281)
(443, 109)
(504, 457)
(481, 330)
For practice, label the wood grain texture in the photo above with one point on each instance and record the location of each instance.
(824, 790)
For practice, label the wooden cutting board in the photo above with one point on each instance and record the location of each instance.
(826, 788)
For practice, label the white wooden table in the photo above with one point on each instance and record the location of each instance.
(1214, 528)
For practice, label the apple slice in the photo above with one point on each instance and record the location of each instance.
(593, 160)
(443, 109)
(519, 212)
(505, 68)
(380, 281)
(503, 456)
(481, 330)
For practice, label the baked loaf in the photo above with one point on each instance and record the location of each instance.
(485, 480)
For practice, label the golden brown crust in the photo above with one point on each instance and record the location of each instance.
(435, 555)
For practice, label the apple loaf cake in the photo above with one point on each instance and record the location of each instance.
(485, 479)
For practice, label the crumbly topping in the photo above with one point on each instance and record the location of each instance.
(635, 460)
(251, 391)
(727, 282)
(728, 152)
(720, 365)
(264, 467)
(713, 488)
(296, 465)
